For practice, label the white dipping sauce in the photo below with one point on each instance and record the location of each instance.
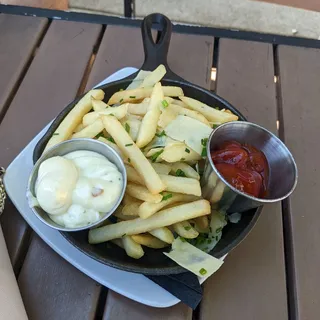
(79, 188)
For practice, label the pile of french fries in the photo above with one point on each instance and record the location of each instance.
(163, 195)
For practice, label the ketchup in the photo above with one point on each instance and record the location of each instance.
(243, 166)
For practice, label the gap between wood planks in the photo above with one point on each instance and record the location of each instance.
(24, 71)
(285, 205)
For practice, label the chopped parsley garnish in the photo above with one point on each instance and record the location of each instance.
(215, 126)
(204, 152)
(166, 196)
(202, 271)
(165, 103)
(124, 235)
(219, 230)
(127, 127)
(56, 134)
(204, 149)
(121, 100)
(180, 173)
(187, 228)
(156, 155)
(99, 135)
(187, 150)
(132, 97)
(217, 108)
(204, 141)
(111, 140)
(161, 134)
(129, 145)
(182, 239)
(129, 160)
(182, 159)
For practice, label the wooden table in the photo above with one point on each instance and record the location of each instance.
(273, 273)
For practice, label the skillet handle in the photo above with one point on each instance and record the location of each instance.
(156, 53)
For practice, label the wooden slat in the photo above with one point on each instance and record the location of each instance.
(51, 82)
(119, 307)
(53, 288)
(15, 54)
(299, 70)
(251, 283)
(120, 47)
(184, 64)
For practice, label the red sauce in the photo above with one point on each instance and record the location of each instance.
(243, 166)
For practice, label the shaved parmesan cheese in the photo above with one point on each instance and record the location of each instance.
(193, 259)
(190, 131)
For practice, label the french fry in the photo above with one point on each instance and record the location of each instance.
(149, 241)
(183, 169)
(177, 152)
(141, 93)
(167, 115)
(217, 193)
(154, 154)
(119, 112)
(137, 159)
(142, 193)
(112, 145)
(132, 248)
(160, 219)
(210, 113)
(74, 118)
(79, 128)
(98, 105)
(147, 209)
(127, 199)
(123, 217)
(149, 123)
(133, 175)
(202, 223)
(118, 242)
(131, 209)
(161, 168)
(155, 76)
(181, 185)
(90, 131)
(139, 109)
(195, 115)
(134, 125)
(178, 103)
(164, 234)
(185, 230)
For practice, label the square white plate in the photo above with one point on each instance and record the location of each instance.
(134, 286)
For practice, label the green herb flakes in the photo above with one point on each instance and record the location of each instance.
(121, 100)
(155, 156)
(187, 150)
(167, 196)
(180, 173)
(182, 159)
(129, 145)
(161, 134)
(127, 127)
(187, 228)
(202, 271)
(111, 140)
(165, 103)
(182, 239)
(56, 134)
(219, 230)
(204, 152)
(132, 97)
(214, 126)
(99, 135)
(129, 160)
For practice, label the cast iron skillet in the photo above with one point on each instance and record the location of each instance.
(154, 262)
